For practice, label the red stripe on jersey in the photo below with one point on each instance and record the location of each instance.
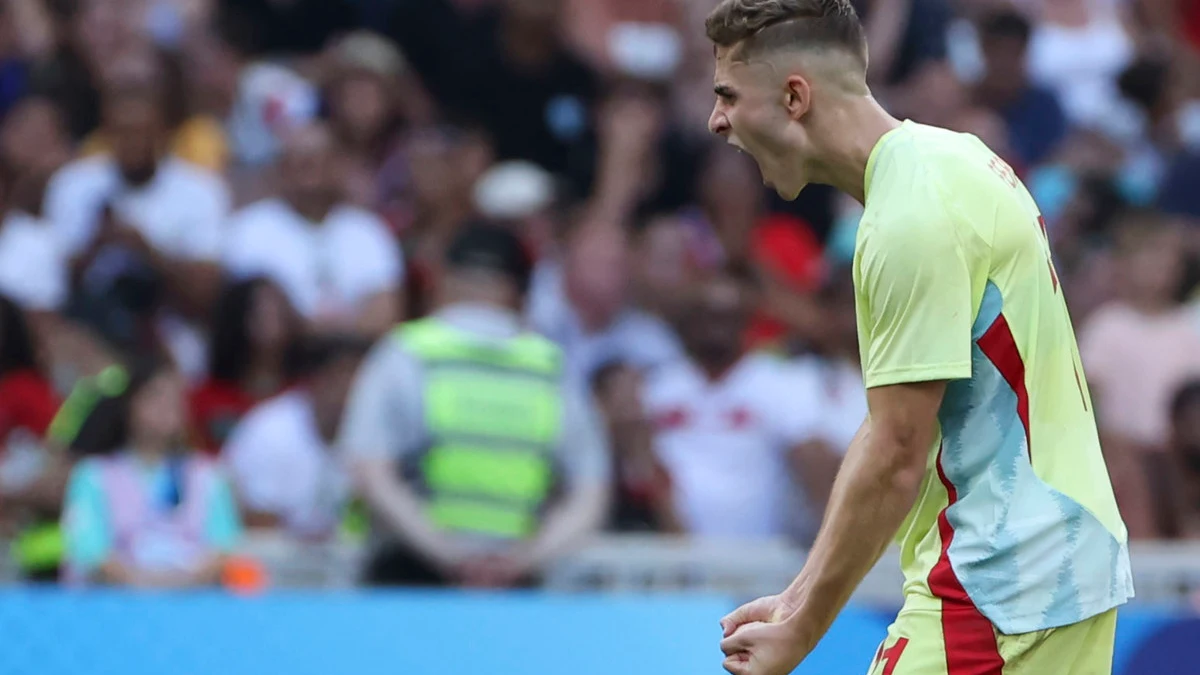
(970, 639)
(878, 655)
(1001, 349)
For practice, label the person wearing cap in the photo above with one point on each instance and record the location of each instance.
(372, 97)
(479, 462)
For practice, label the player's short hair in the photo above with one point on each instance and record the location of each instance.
(757, 27)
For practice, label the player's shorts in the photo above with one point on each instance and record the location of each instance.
(961, 642)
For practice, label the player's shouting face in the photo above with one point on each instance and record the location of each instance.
(783, 68)
(758, 116)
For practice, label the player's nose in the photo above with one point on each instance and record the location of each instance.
(718, 123)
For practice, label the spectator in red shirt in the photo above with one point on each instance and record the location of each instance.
(27, 405)
(252, 353)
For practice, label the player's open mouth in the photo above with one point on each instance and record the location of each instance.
(766, 182)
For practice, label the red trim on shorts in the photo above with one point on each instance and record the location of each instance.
(970, 639)
(998, 345)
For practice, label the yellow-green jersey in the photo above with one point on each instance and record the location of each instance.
(1016, 520)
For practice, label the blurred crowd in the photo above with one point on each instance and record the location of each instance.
(213, 209)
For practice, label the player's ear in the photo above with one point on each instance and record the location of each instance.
(797, 96)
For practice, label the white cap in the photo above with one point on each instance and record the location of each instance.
(367, 51)
(513, 190)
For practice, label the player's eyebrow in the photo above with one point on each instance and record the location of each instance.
(724, 91)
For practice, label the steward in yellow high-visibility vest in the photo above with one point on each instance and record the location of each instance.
(479, 459)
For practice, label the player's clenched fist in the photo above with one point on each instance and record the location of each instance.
(762, 638)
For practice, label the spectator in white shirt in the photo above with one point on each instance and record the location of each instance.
(583, 304)
(33, 270)
(338, 263)
(281, 456)
(143, 231)
(734, 429)
(163, 212)
(1078, 49)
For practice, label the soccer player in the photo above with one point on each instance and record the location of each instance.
(979, 427)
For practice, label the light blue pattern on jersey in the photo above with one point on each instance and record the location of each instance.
(1029, 557)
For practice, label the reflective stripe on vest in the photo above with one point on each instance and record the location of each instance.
(39, 548)
(493, 411)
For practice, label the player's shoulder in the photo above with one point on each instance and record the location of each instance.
(917, 162)
(922, 185)
(917, 222)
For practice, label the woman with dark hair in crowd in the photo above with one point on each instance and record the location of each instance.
(253, 352)
(146, 511)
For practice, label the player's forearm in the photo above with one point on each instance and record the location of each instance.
(874, 491)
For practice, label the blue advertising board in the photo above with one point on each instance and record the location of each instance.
(60, 633)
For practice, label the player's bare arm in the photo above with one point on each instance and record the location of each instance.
(877, 485)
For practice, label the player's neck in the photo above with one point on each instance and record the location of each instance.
(855, 129)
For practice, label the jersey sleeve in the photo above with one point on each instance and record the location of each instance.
(914, 302)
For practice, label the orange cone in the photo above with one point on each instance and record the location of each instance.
(244, 576)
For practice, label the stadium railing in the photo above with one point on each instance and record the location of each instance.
(1164, 572)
